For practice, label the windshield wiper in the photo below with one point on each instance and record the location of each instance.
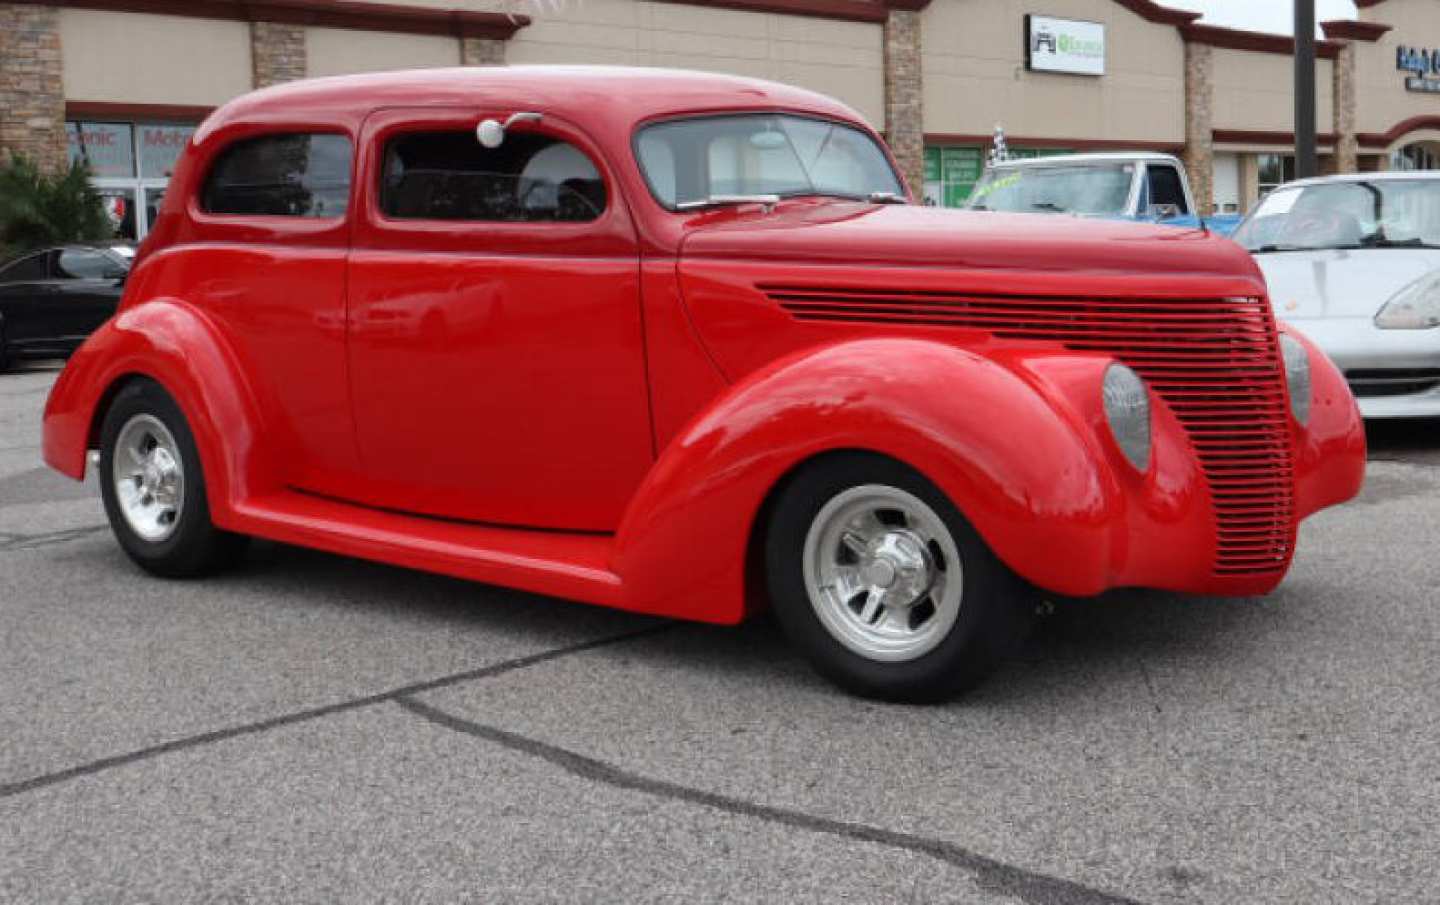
(1047, 206)
(1378, 241)
(719, 200)
(886, 198)
(1267, 249)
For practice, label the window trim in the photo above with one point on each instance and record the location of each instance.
(382, 142)
(749, 111)
(196, 192)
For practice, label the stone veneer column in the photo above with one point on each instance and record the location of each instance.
(482, 52)
(32, 90)
(277, 53)
(904, 95)
(1199, 155)
(1347, 146)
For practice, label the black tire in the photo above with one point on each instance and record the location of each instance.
(996, 607)
(195, 546)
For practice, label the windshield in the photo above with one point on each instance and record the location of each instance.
(693, 160)
(1091, 190)
(1379, 213)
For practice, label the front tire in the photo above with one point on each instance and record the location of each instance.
(154, 489)
(885, 587)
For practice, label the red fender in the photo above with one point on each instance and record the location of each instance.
(1020, 464)
(176, 345)
(1330, 449)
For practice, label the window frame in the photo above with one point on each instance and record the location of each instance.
(752, 111)
(612, 234)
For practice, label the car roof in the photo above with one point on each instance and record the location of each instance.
(1097, 157)
(579, 93)
(1387, 176)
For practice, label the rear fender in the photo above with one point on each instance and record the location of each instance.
(174, 344)
(1022, 467)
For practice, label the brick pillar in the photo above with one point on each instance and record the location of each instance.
(1199, 152)
(904, 95)
(277, 53)
(32, 91)
(482, 52)
(1347, 146)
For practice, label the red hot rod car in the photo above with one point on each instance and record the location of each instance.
(679, 343)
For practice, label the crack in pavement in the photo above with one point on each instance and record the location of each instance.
(991, 875)
(8, 790)
(12, 542)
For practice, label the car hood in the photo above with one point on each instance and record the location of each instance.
(1341, 282)
(834, 232)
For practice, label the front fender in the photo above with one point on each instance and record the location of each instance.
(174, 344)
(1023, 466)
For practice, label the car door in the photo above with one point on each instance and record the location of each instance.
(24, 286)
(88, 284)
(495, 342)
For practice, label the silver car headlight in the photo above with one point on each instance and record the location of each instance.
(1416, 307)
(1297, 376)
(1127, 410)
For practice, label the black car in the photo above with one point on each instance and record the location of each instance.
(50, 300)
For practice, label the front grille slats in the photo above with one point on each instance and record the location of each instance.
(1215, 361)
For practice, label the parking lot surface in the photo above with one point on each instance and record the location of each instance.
(309, 728)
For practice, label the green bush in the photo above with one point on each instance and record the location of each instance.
(38, 209)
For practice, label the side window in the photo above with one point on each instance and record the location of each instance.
(1165, 188)
(26, 269)
(287, 175)
(83, 264)
(450, 176)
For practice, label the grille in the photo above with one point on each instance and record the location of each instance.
(1215, 361)
(1393, 381)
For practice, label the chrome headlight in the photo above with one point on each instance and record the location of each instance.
(1416, 307)
(1297, 376)
(1127, 409)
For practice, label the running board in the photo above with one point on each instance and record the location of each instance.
(560, 564)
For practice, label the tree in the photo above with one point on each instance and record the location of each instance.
(38, 209)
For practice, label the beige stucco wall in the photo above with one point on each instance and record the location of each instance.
(1381, 99)
(337, 51)
(111, 57)
(1256, 91)
(975, 74)
(841, 59)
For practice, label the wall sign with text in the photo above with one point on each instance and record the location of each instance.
(1423, 66)
(1064, 45)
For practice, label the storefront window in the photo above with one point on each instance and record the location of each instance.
(951, 173)
(1414, 157)
(130, 164)
(1275, 170)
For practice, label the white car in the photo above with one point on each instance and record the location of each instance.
(1354, 262)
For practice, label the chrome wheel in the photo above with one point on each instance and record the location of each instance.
(149, 477)
(883, 573)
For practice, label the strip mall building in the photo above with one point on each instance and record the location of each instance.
(123, 82)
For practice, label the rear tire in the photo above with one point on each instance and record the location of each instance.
(885, 587)
(154, 489)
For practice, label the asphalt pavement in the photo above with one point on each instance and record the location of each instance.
(310, 728)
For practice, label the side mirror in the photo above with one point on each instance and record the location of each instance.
(491, 134)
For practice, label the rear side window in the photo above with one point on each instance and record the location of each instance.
(451, 176)
(83, 264)
(287, 175)
(26, 269)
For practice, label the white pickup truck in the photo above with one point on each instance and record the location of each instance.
(1142, 186)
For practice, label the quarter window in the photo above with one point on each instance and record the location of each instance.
(290, 175)
(451, 176)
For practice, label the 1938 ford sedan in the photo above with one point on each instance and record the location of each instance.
(678, 343)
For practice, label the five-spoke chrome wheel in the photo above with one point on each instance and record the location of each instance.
(149, 477)
(883, 573)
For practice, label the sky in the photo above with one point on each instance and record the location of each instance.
(1261, 15)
